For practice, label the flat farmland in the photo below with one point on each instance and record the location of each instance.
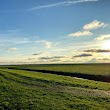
(96, 69)
(24, 88)
(98, 72)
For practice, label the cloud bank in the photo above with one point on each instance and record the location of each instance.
(83, 55)
(97, 50)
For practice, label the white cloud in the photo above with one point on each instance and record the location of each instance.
(65, 3)
(41, 54)
(86, 29)
(10, 40)
(11, 49)
(79, 33)
(47, 44)
(94, 25)
(102, 37)
(15, 30)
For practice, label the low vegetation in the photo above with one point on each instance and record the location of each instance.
(30, 90)
(98, 72)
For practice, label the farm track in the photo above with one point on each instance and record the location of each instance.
(103, 78)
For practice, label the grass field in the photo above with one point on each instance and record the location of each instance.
(96, 69)
(31, 90)
(98, 72)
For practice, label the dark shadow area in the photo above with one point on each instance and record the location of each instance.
(78, 75)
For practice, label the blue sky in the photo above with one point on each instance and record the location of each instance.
(54, 31)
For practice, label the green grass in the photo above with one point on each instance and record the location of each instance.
(95, 69)
(25, 90)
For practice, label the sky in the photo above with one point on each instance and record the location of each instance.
(54, 31)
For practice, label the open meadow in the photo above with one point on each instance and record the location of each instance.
(32, 90)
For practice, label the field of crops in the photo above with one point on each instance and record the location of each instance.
(32, 90)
